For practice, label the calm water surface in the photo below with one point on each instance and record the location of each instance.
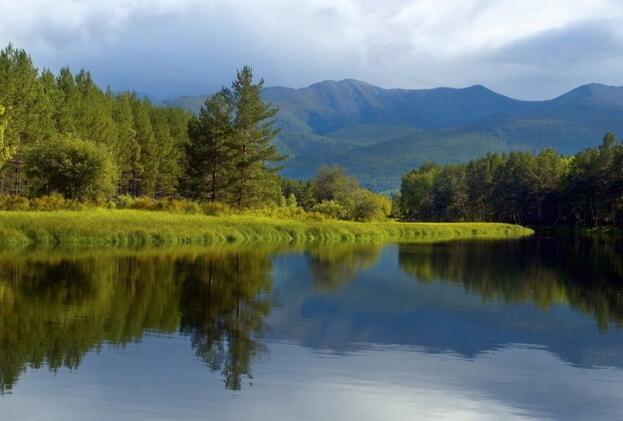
(527, 329)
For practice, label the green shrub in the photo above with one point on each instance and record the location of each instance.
(331, 209)
(74, 168)
(215, 208)
(123, 202)
(364, 205)
(10, 202)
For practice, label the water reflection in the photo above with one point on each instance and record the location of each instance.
(467, 298)
(332, 267)
(54, 311)
(586, 274)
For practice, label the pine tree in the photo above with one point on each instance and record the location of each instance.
(211, 150)
(253, 136)
(127, 151)
(65, 116)
(168, 154)
(92, 110)
(27, 113)
(5, 151)
(145, 171)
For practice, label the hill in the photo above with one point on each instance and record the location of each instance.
(377, 134)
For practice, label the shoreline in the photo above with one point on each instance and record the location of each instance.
(134, 228)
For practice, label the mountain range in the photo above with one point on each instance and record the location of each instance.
(379, 134)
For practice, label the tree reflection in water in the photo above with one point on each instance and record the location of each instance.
(53, 311)
(583, 273)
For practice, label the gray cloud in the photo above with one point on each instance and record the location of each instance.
(166, 48)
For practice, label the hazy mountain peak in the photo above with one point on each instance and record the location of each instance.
(343, 83)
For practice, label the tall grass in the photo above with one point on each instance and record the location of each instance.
(106, 227)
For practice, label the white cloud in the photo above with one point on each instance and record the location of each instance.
(419, 43)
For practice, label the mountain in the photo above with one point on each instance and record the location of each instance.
(378, 134)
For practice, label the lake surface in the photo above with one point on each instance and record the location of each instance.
(525, 329)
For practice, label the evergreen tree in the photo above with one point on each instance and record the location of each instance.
(255, 179)
(127, 150)
(212, 150)
(27, 113)
(143, 178)
(5, 151)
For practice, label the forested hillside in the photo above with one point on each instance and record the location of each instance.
(378, 134)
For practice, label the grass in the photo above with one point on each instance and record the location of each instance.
(134, 228)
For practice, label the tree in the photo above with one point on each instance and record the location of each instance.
(211, 151)
(416, 193)
(332, 183)
(479, 181)
(126, 150)
(331, 209)
(27, 111)
(75, 168)
(5, 150)
(449, 194)
(549, 171)
(253, 139)
(169, 153)
(145, 171)
(364, 205)
(303, 191)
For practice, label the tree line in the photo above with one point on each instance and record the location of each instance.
(544, 189)
(62, 134)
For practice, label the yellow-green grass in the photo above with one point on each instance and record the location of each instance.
(132, 228)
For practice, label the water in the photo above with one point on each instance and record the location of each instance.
(527, 329)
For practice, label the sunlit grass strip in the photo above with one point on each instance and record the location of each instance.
(103, 227)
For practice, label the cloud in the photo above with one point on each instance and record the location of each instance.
(172, 47)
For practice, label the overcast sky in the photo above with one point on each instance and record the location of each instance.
(527, 49)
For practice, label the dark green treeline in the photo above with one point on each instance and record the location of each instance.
(547, 189)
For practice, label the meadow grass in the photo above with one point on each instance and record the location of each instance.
(134, 228)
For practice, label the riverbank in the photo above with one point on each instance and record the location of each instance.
(105, 227)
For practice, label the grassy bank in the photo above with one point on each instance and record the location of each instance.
(102, 227)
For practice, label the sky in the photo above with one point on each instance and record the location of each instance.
(528, 49)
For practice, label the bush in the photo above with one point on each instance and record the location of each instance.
(363, 205)
(331, 209)
(10, 202)
(215, 208)
(72, 167)
(123, 202)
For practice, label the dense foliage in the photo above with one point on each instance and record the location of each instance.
(335, 194)
(73, 167)
(231, 146)
(145, 143)
(546, 189)
(62, 134)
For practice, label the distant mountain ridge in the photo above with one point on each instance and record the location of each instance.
(378, 134)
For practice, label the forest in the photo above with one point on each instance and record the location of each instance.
(61, 135)
(537, 190)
